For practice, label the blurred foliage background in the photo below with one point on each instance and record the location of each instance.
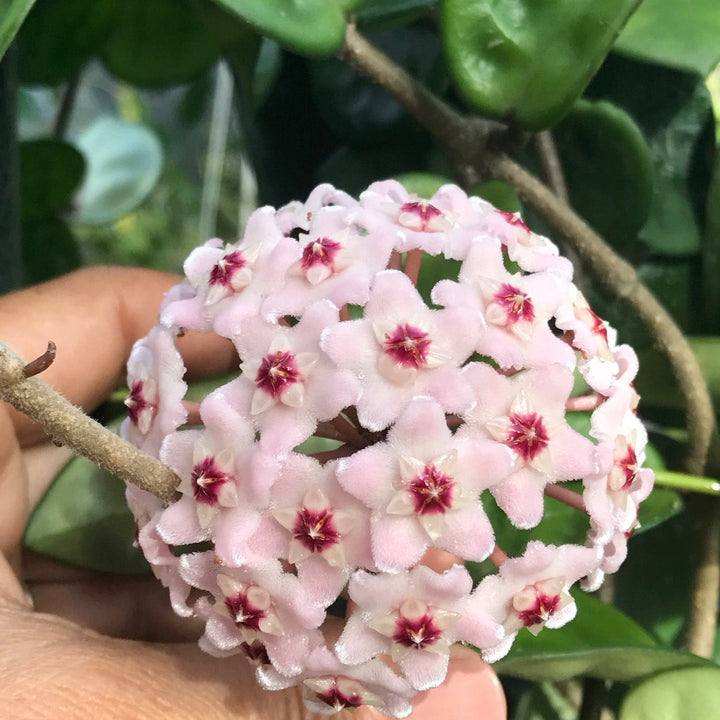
(131, 132)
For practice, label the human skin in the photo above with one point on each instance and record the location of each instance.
(108, 646)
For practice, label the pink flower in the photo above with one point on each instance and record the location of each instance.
(411, 616)
(527, 414)
(155, 371)
(288, 383)
(423, 487)
(532, 591)
(516, 308)
(338, 262)
(400, 349)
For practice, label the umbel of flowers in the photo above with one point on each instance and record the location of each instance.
(365, 427)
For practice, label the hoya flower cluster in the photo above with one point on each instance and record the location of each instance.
(366, 426)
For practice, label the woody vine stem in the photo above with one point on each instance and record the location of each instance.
(471, 145)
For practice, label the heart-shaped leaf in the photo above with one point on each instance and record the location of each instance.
(12, 14)
(676, 34)
(84, 520)
(124, 161)
(528, 61)
(691, 692)
(309, 27)
(50, 173)
(60, 36)
(159, 42)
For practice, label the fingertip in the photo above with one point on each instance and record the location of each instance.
(472, 689)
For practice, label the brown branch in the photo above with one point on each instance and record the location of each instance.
(413, 262)
(550, 160)
(69, 425)
(702, 618)
(41, 363)
(565, 495)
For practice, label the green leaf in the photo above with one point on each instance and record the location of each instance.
(310, 27)
(528, 60)
(12, 14)
(159, 42)
(50, 173)
(661, 505)
(60, 36)
(655, 381)
(49, 249)
(608, 168)
(673, 110)
(711, 254)
(500, 194)
(676, 34)
(123, 165)
(84, 520)
(543, 701)
(357, 110)
(425, 185)
(692, 692)
(388, 13)
(600, 642)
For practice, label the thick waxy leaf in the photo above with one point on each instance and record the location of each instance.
(600, 642)
(12, 14)
(674, 111)
(543, 701)
(608, 168)
(676, 34)
(424, 185)
(123, 164)
(358, 111)
(528, 60)
(60, 36)
(49, 249)
(310, 27)
(692, 692)
(656, 383)
(711, 254)
(84, 520)
(159, 42)
(50, 173)
(384, 13)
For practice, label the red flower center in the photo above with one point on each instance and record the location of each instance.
(243, 612)
(514, 220)
(338, 700)
(422, 214)
(207, 480)
(407, 346)
(223, 270)
(527, 435)
(417, 633)
(319, 252)
(138, 404)
(545, 605)
(432, 491)
(517, 305)
(629, 466)
(277, 372)
(315, 529)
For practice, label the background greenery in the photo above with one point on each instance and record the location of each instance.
(130, 132)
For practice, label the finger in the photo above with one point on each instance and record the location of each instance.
(94, 315)
(47, 662)
(471, 690)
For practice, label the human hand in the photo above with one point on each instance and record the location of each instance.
(110, 645)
